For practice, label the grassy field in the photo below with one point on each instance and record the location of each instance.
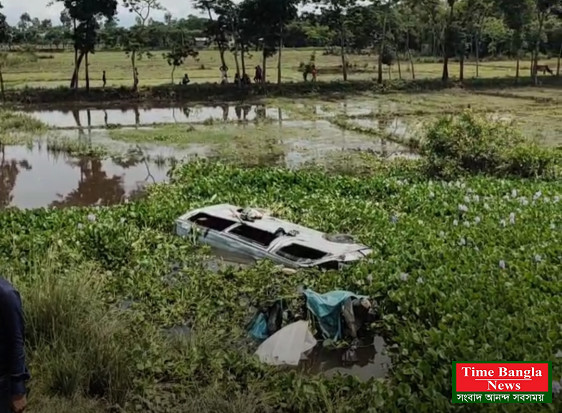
(56, 71)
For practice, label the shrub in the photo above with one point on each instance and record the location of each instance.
(470, 143)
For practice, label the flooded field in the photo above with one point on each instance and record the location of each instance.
(132, 146)
(104, 156)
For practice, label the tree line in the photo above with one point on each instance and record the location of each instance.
(390, 30)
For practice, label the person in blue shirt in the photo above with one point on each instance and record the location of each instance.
(13, 372)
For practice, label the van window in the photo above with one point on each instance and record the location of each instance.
(211, 222)
(254, 235)
(297, 252)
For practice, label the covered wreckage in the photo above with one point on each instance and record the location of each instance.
(336, 314)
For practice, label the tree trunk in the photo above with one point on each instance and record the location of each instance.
(537, 47)
(558, 64)
(2, 86)
(279, 57)
(389, 72)
(445, 76)
(264, 71)
(398, 63)
(517, 66)
(242, 59)
(532, 69)
(87, 73)
(477, 54)
(173, 70)
(410, 57)
(236, 62)
(74, 81)
(134, 66)
(342, 49)
(461, 74)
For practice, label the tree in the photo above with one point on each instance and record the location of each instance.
(542, 9)
(24, 24)
(85, 15)
(137, 35)
(180, 52)
(335, 18)
(449, 42)
(273, 17)
(216, 30)
(255, 31)
(517, 14)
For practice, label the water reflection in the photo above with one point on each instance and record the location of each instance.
(34, 177)
(139, 115)
(9, 171)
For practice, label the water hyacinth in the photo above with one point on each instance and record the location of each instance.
(556, 199)
(537, 195)
(477, 220)
(538, 258)
(370, 278)
(524, 201)
(503, 223)
(91, 218)
(442, 234)
(432, 194)
(466, 224)
(512, 218)
(404, 276)
(80, 225)
(502, 264)
(462, 242)
(556, 387)
(455, 222)
(467, 199)
(486, 207)
(394, 219)
(552, 226)
(476, 198)
(514, 193)
(420, 280)
(463, 208)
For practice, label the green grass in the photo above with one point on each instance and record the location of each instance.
(57, 71)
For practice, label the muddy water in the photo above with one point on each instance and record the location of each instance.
(128, 116)
(34, 177)
(372, 361)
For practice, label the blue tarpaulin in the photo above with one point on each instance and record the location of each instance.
(258, 327)
(327, 308)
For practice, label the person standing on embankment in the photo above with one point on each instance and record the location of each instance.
(13, 372)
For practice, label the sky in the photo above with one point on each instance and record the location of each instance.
(13, 9)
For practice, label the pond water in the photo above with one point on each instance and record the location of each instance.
(372, 361)
(138, 115)
(35, 177)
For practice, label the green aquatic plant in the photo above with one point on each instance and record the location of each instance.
(462, 270)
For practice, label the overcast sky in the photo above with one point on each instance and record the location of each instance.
(13, 9)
